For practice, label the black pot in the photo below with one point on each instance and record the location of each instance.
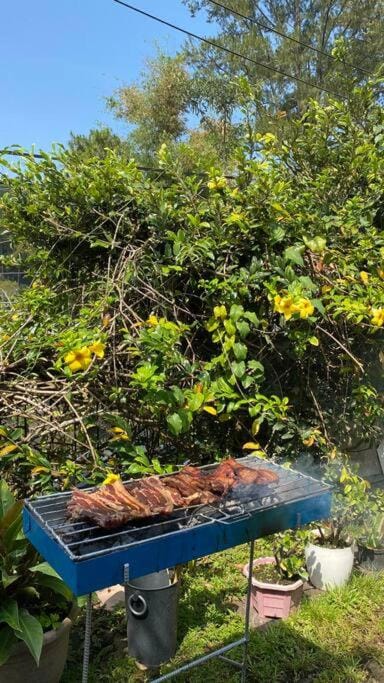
(152, 618)
(371, 558)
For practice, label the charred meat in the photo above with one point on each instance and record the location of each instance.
(115, 504)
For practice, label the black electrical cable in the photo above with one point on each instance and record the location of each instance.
(284, 35)
(226, 49)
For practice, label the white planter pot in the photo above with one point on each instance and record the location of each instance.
(328, 567)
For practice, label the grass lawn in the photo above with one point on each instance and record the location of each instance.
(331, 639)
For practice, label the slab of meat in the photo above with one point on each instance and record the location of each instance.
(110, 506)
(114, 504)
(251, 475)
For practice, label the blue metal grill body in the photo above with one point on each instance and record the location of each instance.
(89, 559)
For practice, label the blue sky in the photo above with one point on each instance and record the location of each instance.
(59, 59)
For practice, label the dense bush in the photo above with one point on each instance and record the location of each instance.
(186, 317)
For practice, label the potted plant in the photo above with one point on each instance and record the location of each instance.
(371, 544)
(370, 533)
(36, 608)
(330, 555)
(277, 580)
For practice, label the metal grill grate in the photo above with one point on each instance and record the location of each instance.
(162, 541)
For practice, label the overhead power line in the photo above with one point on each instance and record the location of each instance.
(227, 49)
(291, 38)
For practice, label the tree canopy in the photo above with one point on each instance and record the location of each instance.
(189, 316)
(205, 92)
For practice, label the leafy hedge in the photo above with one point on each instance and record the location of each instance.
(176, 317)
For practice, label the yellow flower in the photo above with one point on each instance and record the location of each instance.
(218, 183)
(268, 138)
(305, 308)
(277, 302)
(210, 410)
(236, 217)
(98, 349)
(285, 306)
(380, 273)
(153, 321)
(220, 312)
(119, 434)
(364, 276)
(309, 441)
(110, 478)
(378, 316)
(78, 359)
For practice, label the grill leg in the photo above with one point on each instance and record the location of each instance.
(247, 612)
(126, 595)
(87, 638)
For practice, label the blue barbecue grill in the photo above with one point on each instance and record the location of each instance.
(89, 558)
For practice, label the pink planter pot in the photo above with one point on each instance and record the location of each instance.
(273, 599)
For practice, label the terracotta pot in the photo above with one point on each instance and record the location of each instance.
(21, 667)
(273, 599)
(329, 567)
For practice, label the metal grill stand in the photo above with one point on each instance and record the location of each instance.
(220, 652)
(89, 558)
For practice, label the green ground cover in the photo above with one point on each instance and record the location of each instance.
(334, 638)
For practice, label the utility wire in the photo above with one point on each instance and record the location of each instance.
(226, 49)
(284, 35)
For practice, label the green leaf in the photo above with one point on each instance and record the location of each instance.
(100, 243)
(175, 424)
(195, 401)
(9, 613)
(31, 633)
(252, 317)
(7, 641)
(236, 312)
(317, 244)
(257, 367)
(243, 328)
(238, 369)
(229, 327)
(186, 417)
(319, 305)
(8, 579)
(314, 341)
(278, 234)
(294, 254)
(247, 381)
(178, 394)
(11, 524)
(278, 207)
(240, 351)
(12, 515)
(117, 421)
(6, 498)
(56, 584)
(45, 568)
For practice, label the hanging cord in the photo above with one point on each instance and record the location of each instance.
(227, 49)
(291, 38)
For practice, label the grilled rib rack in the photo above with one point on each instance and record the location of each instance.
(89, 558)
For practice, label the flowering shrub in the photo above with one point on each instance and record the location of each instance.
(199, 316)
